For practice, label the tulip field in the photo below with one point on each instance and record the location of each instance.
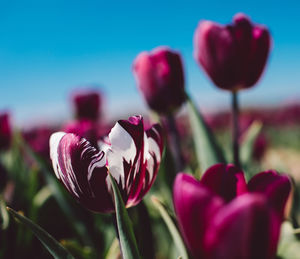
(174, 183)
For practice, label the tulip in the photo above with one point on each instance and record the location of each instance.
(234, 55)
(84, 128)
(38, 139)
(5, 131)
(130, 154)
(87, 104)
(221, 216)
(160, 79)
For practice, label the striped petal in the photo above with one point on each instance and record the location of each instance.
(82, 170)
(153, 152)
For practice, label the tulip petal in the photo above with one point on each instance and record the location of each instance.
(276, 187)
(126, 157)
(5, 131)
(214, 50)
(82, 170)
(194, 205)
(245, 228)
(227, 181)
(153, 153)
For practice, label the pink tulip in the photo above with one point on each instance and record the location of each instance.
(159, 76)
(38, 139)
(5, 131)
(131, 154)
(221, 216)
(84, 128)
(87, 104)
(234, 55)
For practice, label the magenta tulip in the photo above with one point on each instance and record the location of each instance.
(233, 56)
(5, 131)
(84, 128)
(159, 76)
(131, 154)
(38, 139)
(221, 216)
(87, 104)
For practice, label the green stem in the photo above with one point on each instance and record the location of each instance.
(235, 128)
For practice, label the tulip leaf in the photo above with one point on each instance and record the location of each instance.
(127, 239)
(172, 228)
(57, 192)
(114, 250)
(4, 218)
(54, 247)
(208, 150)
(289, 245)
(248, 143)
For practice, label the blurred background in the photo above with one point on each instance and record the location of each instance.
(50, 48)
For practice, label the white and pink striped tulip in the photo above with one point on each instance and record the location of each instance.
(130, 153)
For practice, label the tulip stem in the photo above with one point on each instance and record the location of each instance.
(174, 141)
(235, 128)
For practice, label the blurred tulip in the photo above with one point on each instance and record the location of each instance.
(260, 147)
(38, 139)
(87, 104)
(234, 55)
(5, 131)
(84, 128)
(222, 217)
(159, 76)
(131, 155)
(3, 177)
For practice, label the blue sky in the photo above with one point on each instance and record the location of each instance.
(48, 48)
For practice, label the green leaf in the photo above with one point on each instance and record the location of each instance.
(79, 251)
(57, 192)
(55, 248)
(4, 218)
(172, 228)
(248, 142)
(208, 150)
(289, 245)
(114, 250)
(127, 239)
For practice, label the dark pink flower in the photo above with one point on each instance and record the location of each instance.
(87, 104)
(221, 216)
(234, 55)
(159, 76)
(5, 131)
(84, 128)
(130, 153)
(38, 139)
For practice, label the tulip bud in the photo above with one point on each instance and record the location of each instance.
(87, 104)
(159, 76)
(5, 131)
(234, 55)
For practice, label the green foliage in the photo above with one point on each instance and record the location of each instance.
(207, 148)
(126, 235)
(171, 227)
(55, 248)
